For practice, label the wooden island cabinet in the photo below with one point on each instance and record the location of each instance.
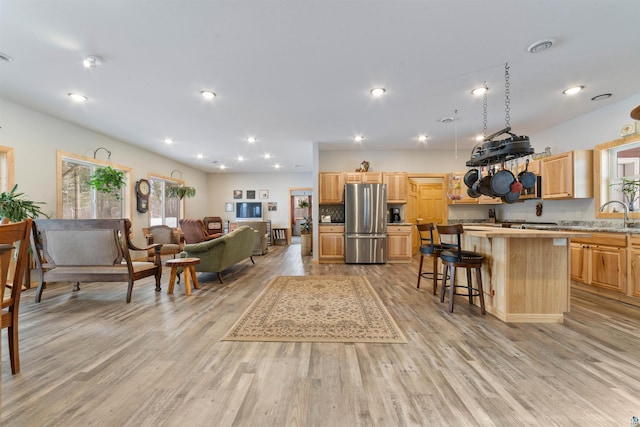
(525, 273)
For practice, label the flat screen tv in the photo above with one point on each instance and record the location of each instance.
(249, 210)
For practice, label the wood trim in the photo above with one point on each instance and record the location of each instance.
(10, 156)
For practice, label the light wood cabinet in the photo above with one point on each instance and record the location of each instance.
(363, 177)
(634, 266)
(399, 243)
(600, 260)
(457, 186)
(331, 187)
(396, 186)
(331, 243)
(568, 175)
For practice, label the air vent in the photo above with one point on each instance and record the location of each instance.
(540, 45)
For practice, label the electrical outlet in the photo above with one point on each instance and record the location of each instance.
(578, 214)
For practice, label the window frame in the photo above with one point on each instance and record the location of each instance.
(127, 192)
(181, 204)
(7, 178)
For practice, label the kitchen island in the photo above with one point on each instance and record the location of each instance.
(526, 273)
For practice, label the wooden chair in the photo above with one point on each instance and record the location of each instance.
(213, 224)
(452, 257)
(167, 236)
(195, 232)
(14, 244)
(430, 249)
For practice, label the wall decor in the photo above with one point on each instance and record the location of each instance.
(251, 194)
(264, 194)
(272, 206)
(228, 207)
(237, 194)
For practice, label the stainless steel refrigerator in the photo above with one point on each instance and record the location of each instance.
(365, 209)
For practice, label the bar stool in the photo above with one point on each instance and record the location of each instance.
(430, 249)
(453, 257)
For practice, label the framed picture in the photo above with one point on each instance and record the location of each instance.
(228, 207)
(237, 194)
(251, 194)
(272, 206)
(264, 194)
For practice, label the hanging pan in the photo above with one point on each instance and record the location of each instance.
(471, 177)
(526, 178)
(501, 182)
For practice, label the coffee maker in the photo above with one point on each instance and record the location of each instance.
(395, 215)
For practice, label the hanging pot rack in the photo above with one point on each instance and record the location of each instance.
(493, 152)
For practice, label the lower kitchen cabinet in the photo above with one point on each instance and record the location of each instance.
(634, 266)
(601, 261)
(331, 243)
(399, 243)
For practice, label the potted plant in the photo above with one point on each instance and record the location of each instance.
(108, 180)
(630, 189)
(305, 235)
(180, 191)
(14, 207)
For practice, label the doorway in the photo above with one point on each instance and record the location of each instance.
(300, 207)
(426, 202)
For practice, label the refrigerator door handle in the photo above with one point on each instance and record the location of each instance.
(380, 236)
(367, 208)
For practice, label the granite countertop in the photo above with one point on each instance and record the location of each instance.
(585, 226)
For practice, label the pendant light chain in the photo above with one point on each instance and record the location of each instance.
(484, 111)
(455, 127)
(507, 92)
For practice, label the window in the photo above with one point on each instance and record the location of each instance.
(164, 210)
(78, 200)
(6, 168)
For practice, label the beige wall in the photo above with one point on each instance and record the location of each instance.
(36, 137)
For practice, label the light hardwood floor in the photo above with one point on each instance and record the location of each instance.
(88, 358)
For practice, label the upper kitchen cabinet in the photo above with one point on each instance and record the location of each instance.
(568, 175)
(363, 178)
(396, 186)
(331, 187)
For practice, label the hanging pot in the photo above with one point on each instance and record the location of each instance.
(526, 178)
(484, 187)
(471, 177)
(473, 193)
(501, 182)
(511, 197)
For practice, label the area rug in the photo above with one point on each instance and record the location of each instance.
(317, 309)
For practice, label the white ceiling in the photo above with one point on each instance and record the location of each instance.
(295, 72)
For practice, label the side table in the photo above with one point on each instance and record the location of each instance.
(189, 273)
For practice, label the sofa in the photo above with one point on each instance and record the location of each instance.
(194, 231)
(262, 237)
(219, 254)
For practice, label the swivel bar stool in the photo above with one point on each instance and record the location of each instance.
(453, 257)
(430, 249)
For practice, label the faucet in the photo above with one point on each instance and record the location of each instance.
(625, 219)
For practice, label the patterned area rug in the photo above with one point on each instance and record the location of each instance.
(317, 309)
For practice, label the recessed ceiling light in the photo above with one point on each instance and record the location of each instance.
(572, 90)
(200, 156)
(277, 166)
(480, 90)
(601, 97)
(77, 97)
(267, 156)
(422, 138)
(378, 91)
(241, 158)
(92, 61)
(5, 58)
(168, 140)
(251, 139)
(223, 167)
(446, 120)
(540, 45)
(207, 94)
(358, 138)
(479, 137)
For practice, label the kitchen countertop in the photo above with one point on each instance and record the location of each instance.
(342, 223)
(603, 228)
(491, 232)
